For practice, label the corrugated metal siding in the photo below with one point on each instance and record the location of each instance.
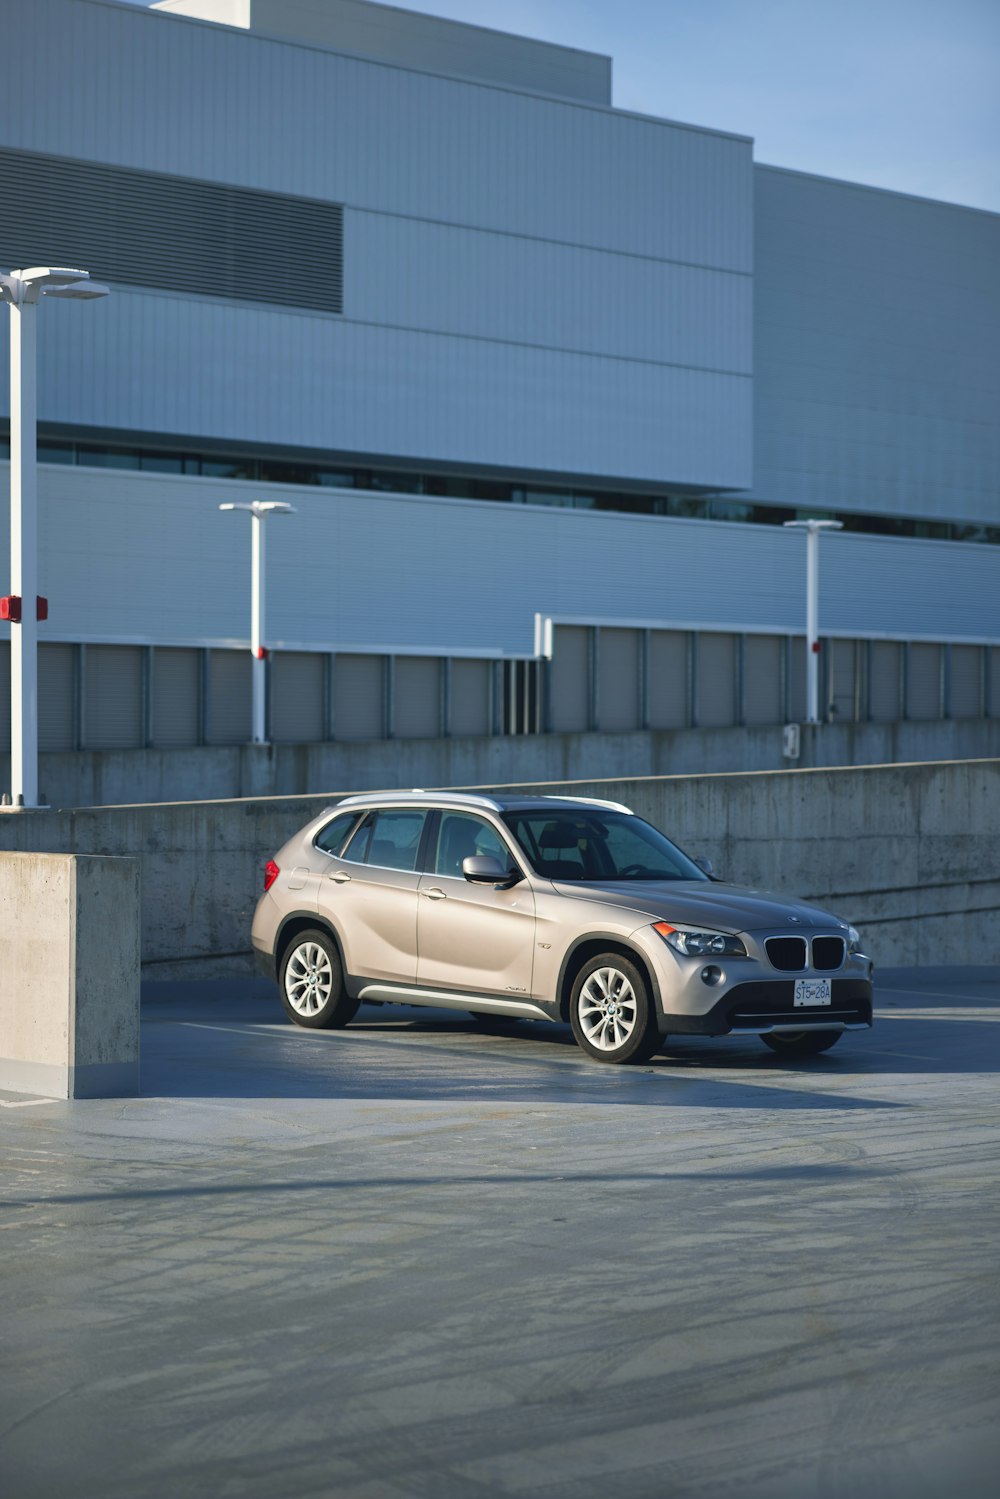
(297, 697)
(231, 107)
(483, 226)
(876, 326)
(448, 279)
(442, 46)
(243, 373)
(161, 564)
(176, 694)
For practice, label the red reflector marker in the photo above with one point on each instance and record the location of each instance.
(271, 872)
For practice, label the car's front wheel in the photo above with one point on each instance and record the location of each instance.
(801, 1043)
(611, 1011)
(312, 985)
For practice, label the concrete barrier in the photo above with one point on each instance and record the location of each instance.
(69, 975)
(909, 853)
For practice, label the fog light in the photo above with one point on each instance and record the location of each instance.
(711, 975)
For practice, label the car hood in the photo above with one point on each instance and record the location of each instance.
(713, 907)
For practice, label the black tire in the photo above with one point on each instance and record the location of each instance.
(311, 983)
(801, 1043)
(617, 1000)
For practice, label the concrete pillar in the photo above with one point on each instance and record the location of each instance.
(69, 975)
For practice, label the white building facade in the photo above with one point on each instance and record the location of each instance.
(509, 352)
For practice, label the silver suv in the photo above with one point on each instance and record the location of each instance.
(547, 908)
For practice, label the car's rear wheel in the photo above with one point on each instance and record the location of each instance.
(801, 1043)
(611, 1011)
(312, 985)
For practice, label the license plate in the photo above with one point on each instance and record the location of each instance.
(812, 992)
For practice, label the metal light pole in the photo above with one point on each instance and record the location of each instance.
(259, 511)
(22, 606)
(812, 529)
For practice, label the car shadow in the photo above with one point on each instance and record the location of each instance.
(247, 1049)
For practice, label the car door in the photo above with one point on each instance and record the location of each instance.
(370, 895)
(472, 939)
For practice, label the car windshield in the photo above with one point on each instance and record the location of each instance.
(573, 844)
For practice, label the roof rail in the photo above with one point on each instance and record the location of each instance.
(417, 796)
(593, 801)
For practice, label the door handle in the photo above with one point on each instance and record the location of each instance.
(340, 878)
(434, 894)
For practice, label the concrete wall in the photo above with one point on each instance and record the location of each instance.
(110, 777)
(907, 852)
(69, 978)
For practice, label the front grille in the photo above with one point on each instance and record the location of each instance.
(786, 953)
(828, 952)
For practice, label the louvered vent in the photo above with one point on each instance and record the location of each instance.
(147, 229)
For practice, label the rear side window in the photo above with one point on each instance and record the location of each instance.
(389, 839)
(333, 836)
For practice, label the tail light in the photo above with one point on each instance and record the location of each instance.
(271, 872)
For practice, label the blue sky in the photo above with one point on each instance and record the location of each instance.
(902, 94)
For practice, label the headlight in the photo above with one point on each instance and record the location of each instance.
(853, 940)
(693, 944)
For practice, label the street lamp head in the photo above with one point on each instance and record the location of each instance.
(260, 508)
(814, 525)
(27, 286)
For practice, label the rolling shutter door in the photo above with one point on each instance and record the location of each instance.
(569, 680)
(176, 697)
(667, 683)
(923, 681)
(715, 683)
(4, 695)
(416, 708)
(358, 697)
(297, 697)
(841, 666)
(112, 697)
(762, 697)
(57, 697)
(617, 680)
(965, 682)
(883, 685)
(229, 697)
(470, 697)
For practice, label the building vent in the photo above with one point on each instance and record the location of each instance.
(172, 233)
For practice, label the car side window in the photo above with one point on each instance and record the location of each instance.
(460, 835)
(394, 839)
(333, 836)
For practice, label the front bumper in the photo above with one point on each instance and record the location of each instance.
(761, 1005)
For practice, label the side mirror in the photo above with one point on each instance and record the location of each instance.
(705, 865)
(486, 869)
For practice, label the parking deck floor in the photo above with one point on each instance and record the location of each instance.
(416, 1259)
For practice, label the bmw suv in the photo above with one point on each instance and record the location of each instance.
(547, 908)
